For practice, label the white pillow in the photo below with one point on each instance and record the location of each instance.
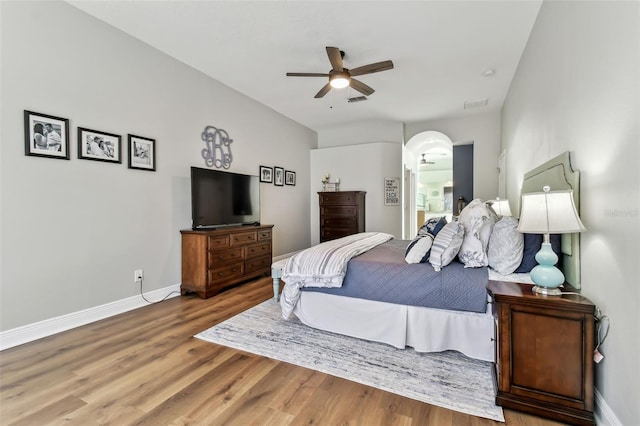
(478, 221)
(506, 246)
(418, 249)
(446, 245)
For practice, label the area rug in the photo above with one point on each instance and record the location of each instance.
(446, 379)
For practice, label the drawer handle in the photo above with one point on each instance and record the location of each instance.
(219, 274)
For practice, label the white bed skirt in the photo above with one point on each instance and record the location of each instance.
(424, 329)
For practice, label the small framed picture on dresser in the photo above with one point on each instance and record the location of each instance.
(330, 187)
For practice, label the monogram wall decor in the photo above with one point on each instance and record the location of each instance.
(218, 150)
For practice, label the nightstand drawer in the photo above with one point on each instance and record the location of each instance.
(544, 352)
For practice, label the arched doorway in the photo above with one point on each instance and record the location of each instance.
(429, 162)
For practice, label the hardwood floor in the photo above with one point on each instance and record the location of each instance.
(144, 367)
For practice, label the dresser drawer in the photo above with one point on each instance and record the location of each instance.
(264, 234)
(257, 264)
(339, 222)
(338, 198)
(243, 238)
(258, 250)
(224, 257)
(338, 211)
(226, 272)
(218, 242)
(333, 233)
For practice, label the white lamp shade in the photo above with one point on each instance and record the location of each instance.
(552, 212)
(501, 207)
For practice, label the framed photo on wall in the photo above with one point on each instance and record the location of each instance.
(46, 135)
(99, 146)
(278, 176)
(142, 153)
(266, 174)
(289, 177)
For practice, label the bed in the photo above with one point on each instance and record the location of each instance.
(453, 312)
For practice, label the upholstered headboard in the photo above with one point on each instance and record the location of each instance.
(558, 174)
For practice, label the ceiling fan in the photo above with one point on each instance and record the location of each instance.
(424, 162)
(340, 77)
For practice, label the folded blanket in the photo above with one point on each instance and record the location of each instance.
(323, 265)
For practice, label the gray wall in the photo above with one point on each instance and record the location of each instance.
(360, 167)
(72, 232)
(483, 129)
(577, 89)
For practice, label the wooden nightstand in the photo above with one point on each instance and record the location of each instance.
(544, 352)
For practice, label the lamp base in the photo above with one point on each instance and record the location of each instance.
(547, 291)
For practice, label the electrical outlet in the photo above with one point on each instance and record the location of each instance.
(137, 275)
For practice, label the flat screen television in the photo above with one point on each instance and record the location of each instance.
(223, 199)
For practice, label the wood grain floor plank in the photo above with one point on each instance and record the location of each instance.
(53, 410)
(145, 367)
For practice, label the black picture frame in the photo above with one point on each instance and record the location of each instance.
(46, 135)
(289, 178)
(142, 153)
(99, 146)
(266, 174)
(278, 176)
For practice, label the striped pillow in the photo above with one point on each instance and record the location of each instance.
(446, 245)
(418, 249)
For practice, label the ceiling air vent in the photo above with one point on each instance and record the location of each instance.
(480, 103)
(357, 99)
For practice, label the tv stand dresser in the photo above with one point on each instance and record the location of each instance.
(215, 259)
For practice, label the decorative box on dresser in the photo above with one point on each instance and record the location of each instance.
(544, 362)
(215, 259)
(342, 213)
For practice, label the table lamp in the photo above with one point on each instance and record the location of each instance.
(501, 207)
(548, 212)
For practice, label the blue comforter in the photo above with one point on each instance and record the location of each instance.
(382, 274)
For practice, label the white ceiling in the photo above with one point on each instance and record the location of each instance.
(440, 50)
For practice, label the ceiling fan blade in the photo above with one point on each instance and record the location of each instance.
(361, 87)
(371, 68)
(325, 89)
(306, 74)
(335, 57)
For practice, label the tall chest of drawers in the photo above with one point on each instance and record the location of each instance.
(216, 259)
(342, 213)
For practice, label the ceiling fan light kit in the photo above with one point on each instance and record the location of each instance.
(340, 77)
(339, 80)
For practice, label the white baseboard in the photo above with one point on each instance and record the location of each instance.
(28, 333)
(603, 413)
